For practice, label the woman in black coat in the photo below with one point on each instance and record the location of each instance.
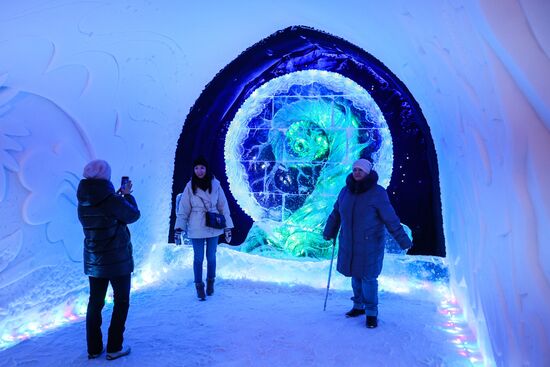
(108, 258)
(360, 213)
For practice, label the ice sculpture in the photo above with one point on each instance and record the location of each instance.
(288, 151)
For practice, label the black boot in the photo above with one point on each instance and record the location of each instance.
(354, 312)
(372, 322)
(200, 291)
(209, 287)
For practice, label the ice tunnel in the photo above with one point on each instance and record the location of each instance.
(460, 87)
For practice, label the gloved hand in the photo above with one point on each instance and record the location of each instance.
(178, 234)
(227, 233)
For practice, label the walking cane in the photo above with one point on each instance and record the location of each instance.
(330, 272)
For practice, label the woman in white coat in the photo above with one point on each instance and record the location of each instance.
(203, 193)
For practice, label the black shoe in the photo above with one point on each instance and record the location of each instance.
(354, 312)
(95, 355)
(121, 353)
(372, 322)
(200, 291)
(209, 287)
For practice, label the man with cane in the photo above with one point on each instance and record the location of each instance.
(360, 214)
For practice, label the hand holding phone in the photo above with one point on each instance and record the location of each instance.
(125, 185)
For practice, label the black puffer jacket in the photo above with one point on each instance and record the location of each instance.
(104, 215)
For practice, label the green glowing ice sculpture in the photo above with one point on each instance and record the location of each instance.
(287, 179)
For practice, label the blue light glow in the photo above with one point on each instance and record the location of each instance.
(288, 151)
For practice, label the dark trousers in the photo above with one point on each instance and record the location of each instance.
(121, 295)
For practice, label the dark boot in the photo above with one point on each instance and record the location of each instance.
(354, 312)
(200, 291)
(372, 322)
(209, 287)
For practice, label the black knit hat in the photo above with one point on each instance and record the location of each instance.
(200, 161)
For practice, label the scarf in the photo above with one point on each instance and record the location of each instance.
(205, 183)
(359, 187)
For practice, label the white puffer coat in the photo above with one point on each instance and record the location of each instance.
(190, 214)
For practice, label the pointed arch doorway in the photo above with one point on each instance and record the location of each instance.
(413, 182)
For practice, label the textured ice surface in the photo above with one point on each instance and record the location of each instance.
(128, 73)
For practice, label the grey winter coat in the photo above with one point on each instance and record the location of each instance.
(361, 217)
(104, 215)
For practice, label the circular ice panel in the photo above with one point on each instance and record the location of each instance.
(294, 139)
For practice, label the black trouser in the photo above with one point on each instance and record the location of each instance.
(121, 295)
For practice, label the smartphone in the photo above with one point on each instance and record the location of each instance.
(124, 181)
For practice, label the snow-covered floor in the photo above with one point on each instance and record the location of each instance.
(258, 323)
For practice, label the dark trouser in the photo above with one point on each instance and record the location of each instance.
(121, 295)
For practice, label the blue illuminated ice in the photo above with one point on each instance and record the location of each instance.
(288, 151)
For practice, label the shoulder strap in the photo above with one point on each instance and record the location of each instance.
(202, 202)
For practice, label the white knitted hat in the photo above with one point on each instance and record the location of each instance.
(363, 164)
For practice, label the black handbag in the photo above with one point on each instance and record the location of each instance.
(213, 219)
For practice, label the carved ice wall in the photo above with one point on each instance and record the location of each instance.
(115, 79)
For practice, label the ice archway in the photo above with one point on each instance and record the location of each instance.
(414, 186)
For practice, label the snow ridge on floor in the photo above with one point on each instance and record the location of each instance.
(254, 323)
